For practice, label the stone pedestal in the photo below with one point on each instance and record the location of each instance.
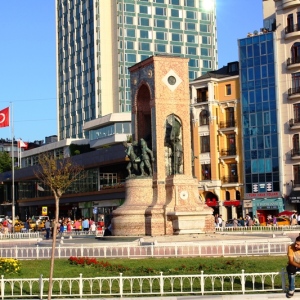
(184, 210)
(129, 219)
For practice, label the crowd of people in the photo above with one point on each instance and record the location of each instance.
(64, 225)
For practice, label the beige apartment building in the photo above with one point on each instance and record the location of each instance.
(283, 16)
(216, 134)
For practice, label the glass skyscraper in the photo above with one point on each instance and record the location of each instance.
(97, 40)
(260, 122)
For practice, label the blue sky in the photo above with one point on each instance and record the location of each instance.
(27, 56)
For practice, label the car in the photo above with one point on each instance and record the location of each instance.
(19, 225)
(281, 221)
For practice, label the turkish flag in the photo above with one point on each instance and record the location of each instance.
(4, 117)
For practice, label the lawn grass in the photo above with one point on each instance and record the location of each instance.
(152, 266)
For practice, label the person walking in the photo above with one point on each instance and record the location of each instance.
(85, 225)
(293, 266)
(47, 227)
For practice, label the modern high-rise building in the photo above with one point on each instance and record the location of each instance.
(97, 40)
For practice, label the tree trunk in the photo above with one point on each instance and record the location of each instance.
(53, 246)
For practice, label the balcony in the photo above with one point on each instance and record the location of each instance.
(294, 123)
(200, 99)
(295, 153)
(292, 31)
(293, 62)
(289, 3)
(228, 152)
(294, 93)
(227, 124)
(230, 179)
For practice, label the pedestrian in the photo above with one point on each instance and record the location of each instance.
(294, 220)
(220, 221)
(235, 223)
(47, 228)
(85, 224)
(216, 220)
(274, 221)
(293, 266)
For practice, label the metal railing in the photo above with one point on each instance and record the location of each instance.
(259, 228)
(135, 250)
(158, 285)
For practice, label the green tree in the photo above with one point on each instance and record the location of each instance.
(58, 175)
(5, 162)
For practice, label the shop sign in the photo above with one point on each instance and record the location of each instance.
(267, 207)
(263, 195)
(44, 211)
(247, 203)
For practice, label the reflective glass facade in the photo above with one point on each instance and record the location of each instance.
(97, 41)
(259, 116)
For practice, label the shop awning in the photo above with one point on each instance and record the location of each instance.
(232, 203)
(294, 197)
(212, 202)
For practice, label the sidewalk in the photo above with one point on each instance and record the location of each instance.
(265, 296)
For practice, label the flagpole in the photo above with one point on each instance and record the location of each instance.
(12, 170)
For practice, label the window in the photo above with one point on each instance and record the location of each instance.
(190, 15)
(176, 13)
(204, 144)
(160, 11)
(290, 23)
(295, 53)
(205, 16)
(204, 117)
(144, 34)
(129, 45)
(190, 38)
(160, 23)
(296, 144)
(130, 57)
(159, 1)
(143, 9)
(174, 2)
(207, 64)
(296, 108)
(144, 46)
(175, 25)
(160, 48)
(131, 32)
(296, 170)
(191, 50)
(205, 52)
(296, 81)
(193, 62)
(190, 3)
(129, 20)
(176, 49)
(228, 89)
(176, 37)
(206, 40)
(204, 28)
(161, 35)
(129, 7)
(190, 26)
(144, 21)
(206, 172)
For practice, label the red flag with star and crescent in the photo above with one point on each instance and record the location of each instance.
(4, 117)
